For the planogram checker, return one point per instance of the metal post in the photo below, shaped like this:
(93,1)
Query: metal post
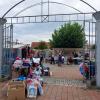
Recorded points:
(97,17)
(84,40)
(48,10)
(2,22)
(5,60)
(41,9)
(95,53)
(89,54)
(11,47)
(92,31)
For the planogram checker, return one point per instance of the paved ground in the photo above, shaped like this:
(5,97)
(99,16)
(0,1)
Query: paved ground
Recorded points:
(70,72)
(64,84)
(3,89)
(56,92)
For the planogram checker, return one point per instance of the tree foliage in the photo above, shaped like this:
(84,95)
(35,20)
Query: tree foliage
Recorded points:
(68,36)
(42,45)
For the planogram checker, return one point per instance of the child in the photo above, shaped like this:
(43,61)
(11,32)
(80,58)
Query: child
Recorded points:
(86,71)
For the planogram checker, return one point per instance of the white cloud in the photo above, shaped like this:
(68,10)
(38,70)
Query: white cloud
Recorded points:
(36,32)
(28,38)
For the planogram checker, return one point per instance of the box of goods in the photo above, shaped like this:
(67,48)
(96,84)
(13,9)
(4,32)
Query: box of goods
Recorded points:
(16,90)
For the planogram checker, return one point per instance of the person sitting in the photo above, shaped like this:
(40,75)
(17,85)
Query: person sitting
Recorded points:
(70,60)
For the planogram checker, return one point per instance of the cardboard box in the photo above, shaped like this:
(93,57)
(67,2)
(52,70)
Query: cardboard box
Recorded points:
(14,74)
(16,90)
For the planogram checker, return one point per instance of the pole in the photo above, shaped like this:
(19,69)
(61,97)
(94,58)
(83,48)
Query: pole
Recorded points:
(97,31)
(41,10)
(48,10)
(2,22)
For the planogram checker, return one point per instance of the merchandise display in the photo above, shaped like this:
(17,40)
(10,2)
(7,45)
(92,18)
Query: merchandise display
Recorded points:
(30,73)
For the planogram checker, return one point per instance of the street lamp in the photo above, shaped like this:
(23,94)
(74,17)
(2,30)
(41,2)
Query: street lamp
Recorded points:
(12,8)
(88,5)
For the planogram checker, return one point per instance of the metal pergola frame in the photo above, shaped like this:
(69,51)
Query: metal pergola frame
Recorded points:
(45,18)
(49,18)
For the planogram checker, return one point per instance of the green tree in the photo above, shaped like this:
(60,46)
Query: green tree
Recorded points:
(42,45)
(68,36)
(35,47)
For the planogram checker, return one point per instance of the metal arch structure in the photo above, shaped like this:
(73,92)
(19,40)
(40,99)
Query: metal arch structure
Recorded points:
(64,18)
(12,8)
(49,18)
(89,5)
(45,18)
(46,3)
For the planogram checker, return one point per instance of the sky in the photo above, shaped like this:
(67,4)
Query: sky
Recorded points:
(27,33)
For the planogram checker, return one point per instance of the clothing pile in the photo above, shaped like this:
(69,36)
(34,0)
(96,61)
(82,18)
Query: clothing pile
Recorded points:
(22,63)
(30,72)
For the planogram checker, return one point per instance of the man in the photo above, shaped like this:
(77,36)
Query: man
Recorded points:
(59,60)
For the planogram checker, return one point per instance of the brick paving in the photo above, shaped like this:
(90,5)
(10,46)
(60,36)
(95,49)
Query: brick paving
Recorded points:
(60,89)
(56,92)
(3,90)
(70,72)
(65,82)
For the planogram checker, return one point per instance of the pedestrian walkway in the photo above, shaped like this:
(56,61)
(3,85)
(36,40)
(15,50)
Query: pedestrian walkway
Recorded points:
(65,84)
(3,91)
(57,92)
(70,72)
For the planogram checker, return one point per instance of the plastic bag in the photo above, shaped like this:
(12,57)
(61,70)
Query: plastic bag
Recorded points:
(31,91)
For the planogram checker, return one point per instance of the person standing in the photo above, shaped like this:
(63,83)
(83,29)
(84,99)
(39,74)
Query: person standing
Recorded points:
(59,60)
(24,53)
(52,59)
(41,59)
(63,59)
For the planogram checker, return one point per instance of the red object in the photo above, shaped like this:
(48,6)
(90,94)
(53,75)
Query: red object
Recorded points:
(28,81)
(18,58)
(86,68)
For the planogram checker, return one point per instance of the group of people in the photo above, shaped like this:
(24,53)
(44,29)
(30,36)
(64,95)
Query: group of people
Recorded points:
(61,59)
(57,59)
